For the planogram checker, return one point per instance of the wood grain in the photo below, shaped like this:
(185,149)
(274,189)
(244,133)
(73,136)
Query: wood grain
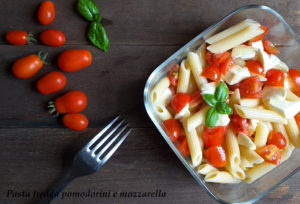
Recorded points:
(34,147)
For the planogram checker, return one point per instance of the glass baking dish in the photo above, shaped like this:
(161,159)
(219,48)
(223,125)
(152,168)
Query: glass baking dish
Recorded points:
(285,39)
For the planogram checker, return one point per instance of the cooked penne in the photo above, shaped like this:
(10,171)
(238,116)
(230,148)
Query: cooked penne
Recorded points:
(162,112)
(205,169)
(259,114)
(245,164)
(196,68)
(251,155)
(290,96)
(220,177)
(258,171)
(165,98)
(287,152)
(293,132)
(159,88)
(235,98)
(261,135)
(184,78)
(201,53)
(237,172)
(198,118)
(269,125)
(249,102)
(246,141)
(233,149)
(192,87)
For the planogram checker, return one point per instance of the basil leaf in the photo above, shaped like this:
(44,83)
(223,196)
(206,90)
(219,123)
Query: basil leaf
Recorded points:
(88,9)
(222,92)
(210,99)
(211,117)
(224,108)
(98,37)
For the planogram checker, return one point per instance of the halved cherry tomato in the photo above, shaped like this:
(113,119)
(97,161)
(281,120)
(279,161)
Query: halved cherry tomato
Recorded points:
(251,87)
(270,153)
(294,74)
(53,37)
(173,129)
(233,87)
(173,75)
(270,48)
(216,156)
(46,13)
(275,77)
(255,67)
(261,36)
(196,99)
(179,101)
(213,136)
(212,72)
(217,59)
(276,138)
(51,83)
(239,124)
(71,102)
(297,118)
(19,37)
(75,121)
(183,146)
(226,66)
(28,66)
(74,60)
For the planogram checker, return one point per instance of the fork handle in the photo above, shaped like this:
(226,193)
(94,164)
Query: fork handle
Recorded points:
(57,188)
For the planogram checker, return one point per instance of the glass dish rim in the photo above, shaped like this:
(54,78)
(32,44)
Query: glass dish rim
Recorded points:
(169,59)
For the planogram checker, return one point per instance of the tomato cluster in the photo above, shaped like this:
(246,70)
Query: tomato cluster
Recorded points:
(71,103)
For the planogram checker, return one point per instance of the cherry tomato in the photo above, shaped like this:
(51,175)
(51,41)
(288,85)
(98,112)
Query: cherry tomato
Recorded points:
(19,37)
(226,66)
(217,59)
(212,72)
(251,87)
(275,77)
(173,129)
(297,118)
(255,67)
(53,37)
(173,75)
(51,83)
(261,36)
(216,156)
(179,101)
(239,124)
(276,138)
(196,99)
(28,66)
(213,136)
(294,74)
(74,60)
(270,48)
(270,153)
(75,121)
(71,102)
(183,146)
(46,13)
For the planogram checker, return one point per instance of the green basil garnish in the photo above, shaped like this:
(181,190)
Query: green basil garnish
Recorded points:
(211,117)
(210,99)
(98,37)
(224,108)
(87,9)
(222,92)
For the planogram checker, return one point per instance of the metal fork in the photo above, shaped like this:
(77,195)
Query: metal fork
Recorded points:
(89,159)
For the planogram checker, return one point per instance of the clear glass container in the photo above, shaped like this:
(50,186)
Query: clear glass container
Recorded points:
(285,39)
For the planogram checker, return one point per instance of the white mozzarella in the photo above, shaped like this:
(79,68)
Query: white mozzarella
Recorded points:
(236,75)
(244,52)
(223,120)
(258,45)
(286,108)
(208,88)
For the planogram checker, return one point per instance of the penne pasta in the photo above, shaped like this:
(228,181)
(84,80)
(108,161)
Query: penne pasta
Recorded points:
(249,102)
(293,132)
(245,164)
(258,171)
(261,135)
(233,149)
(204,169)
(220,177)
(162,112)
(197,119)
(184,78)
(159,88)
(235,98)
(201,53)
(192,87)
(251,155)
(290,96)
(237,172)
(165,98)
(196,68)
(246,141)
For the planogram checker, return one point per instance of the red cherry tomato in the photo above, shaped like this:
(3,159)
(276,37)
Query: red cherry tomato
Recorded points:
(297,118)
(294,74)
(213,136)
(75,121)
(183,146)
(226,66)
(71,102)
(53,37)
(212,72)
(261,36)
(19,37)
(255,67)
(28,66)
(46,13)
(51,83)
(270,48)
(239,124)
(217,59)
(74,60)
(196,99)
(173,75)
(179,101)
(275,77)
(172,128)
(276,138)
(251,87)
(270,153)
(216,156)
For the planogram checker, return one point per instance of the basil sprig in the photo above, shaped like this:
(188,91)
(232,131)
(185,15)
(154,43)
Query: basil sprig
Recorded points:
(218,104)
(97,35)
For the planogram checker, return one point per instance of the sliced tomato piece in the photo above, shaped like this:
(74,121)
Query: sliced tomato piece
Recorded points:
(270,48)
(179,101)
(261,36)
(183,146)
(251,87)
(297,118)
(294,74)
(196,99)
(173,129)
(276,138)
(212,72)
(216,156)
(174,75)
(239,124)
(217,59)
(226,66)
(255,67)
(275,77)
(213,136)
(270,153)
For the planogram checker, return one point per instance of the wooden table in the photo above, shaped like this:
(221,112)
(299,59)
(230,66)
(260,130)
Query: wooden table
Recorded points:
(35,148)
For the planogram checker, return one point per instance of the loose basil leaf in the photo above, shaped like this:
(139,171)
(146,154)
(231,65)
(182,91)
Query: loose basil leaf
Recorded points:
(224,108)
(88,9)
(222,92)
(98,37)
(210,99)
(211,117)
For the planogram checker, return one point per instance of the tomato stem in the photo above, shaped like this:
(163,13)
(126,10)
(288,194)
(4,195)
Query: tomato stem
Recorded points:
(43,55)
(30,39)
(52,110)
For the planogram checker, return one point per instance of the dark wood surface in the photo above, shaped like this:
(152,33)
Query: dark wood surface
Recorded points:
(35,148)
